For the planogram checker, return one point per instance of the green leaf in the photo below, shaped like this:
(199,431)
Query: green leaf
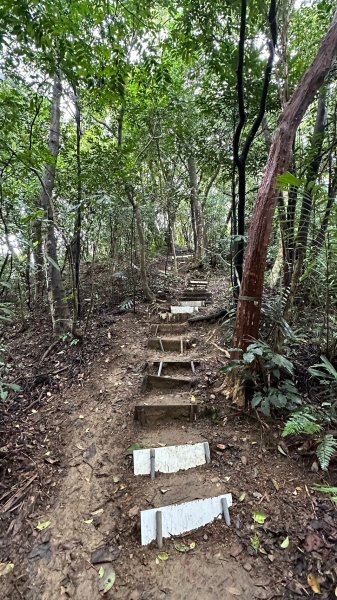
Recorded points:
(265,407)
(277,399)
(180,547)
(14,387)
(257,398)
(259,517)
(101,572)
(325,450)
(287,179)
(163,556)
(248,357)
(281,451)
(107,581)
(42,525)
(6,568)
(255,542)
(134,447)
(52,262)
(285,543)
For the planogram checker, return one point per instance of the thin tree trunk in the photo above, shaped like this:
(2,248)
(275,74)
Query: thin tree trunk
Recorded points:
(58,307)
(315,154)
(249,304)
(320,237)
(198,228)
(240,159)
(37,238)
(78,221)
(149,295)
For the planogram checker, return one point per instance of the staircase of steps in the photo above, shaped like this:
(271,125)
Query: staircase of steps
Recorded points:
(167,397)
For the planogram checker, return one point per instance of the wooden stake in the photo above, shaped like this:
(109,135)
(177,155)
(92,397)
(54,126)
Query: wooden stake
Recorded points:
(207,453)
(153,463)
(225,511)
(159,528)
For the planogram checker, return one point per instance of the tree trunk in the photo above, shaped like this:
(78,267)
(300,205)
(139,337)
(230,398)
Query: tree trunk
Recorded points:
(320,237)
(198,228)
(58,306)
(240,158)
(37,239)
(249,304)
(76,246)
(149,295)
(315,154)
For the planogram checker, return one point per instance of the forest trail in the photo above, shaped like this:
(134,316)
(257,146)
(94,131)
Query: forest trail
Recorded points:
(100,499)
(96,500)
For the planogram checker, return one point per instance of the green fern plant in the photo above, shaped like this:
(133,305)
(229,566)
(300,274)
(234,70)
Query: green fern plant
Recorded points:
(307,423)
(327,490)
(301,422)
(325,450)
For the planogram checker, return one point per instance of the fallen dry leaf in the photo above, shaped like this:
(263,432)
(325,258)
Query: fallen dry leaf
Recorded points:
(234,591)
(312,581)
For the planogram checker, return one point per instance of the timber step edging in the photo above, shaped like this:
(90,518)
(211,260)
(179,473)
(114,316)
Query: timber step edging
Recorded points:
(167,383)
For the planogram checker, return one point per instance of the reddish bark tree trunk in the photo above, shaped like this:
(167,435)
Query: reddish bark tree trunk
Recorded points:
(249,304)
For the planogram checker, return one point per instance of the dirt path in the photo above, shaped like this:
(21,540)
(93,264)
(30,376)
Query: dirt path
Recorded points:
(97,501)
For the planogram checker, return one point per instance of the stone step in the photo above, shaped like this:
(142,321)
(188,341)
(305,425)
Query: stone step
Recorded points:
(190,299)
(186,310)
(166,384)
(173,344)
(168,328)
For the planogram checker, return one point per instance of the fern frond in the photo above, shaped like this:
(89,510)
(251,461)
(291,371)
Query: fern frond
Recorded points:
(325,450)
(301,422)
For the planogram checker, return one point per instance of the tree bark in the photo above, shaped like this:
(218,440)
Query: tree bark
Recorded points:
(249,303)
(76,246)
(37,238)
(315,154)
(320,237)
(58,306)
(149,295)
(240,158)
(197,210)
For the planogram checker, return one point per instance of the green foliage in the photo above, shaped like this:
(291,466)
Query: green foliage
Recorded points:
(325,372)
(325,450)
(327,490)
(301,422)
(6,314)
(267,370)
(311,421)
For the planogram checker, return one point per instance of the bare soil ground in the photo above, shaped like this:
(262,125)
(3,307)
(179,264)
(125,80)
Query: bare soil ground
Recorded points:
(65,461)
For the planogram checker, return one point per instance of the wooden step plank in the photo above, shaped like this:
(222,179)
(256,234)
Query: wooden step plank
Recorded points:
(167,383)
(197,293)
(176,361)
(169,344)
(171,459)
(151,414)
(198,282)
(180,317)
(192,303)
(167,328)
(177,519)
(189,310)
